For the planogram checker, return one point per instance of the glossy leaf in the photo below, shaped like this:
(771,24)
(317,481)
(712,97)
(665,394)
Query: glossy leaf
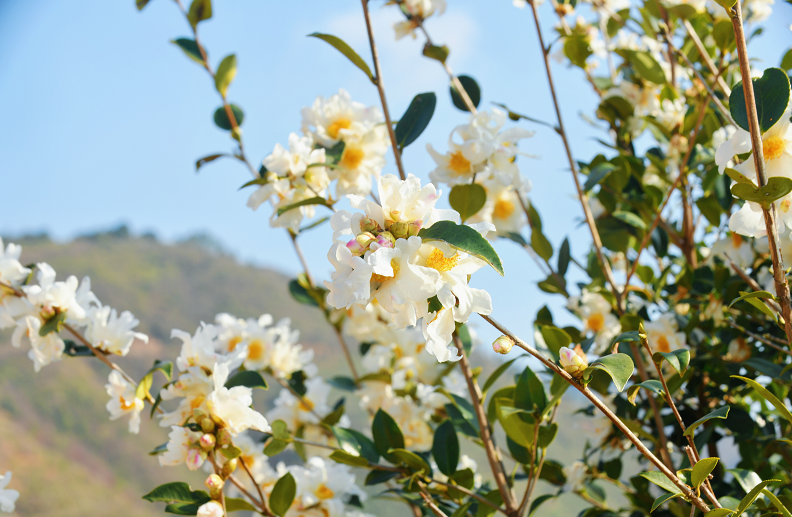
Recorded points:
(659,479)
(719,512)
(651,385)
(764,392)
(248,378)
(496,374)
(386,434)
(222,121)
(467,199)
(200,10)
(776,188)
(737,176)
(663,498)
(225,73)
(463,238)
(555,338)
(777,503)
(771,92)
(178,492)
(415,119)
(347,51)
(755,299)
(440,53)
(597,174)
(678,359)
(748,500)
(282,495)
(647,67)
(722,412)
(471,88)
(564,256)
(234,504)
(343,383)
(541,245)
(529,393)
(358,441)
(536,503)
(445,448)
(190,49)
(618,366)
(410,460)
(631,219)
(348,459)
(701,470)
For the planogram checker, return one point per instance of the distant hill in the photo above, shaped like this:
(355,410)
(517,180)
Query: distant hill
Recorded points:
(69,460)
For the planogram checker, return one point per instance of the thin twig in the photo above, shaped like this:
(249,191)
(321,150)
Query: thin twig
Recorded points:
(759,338)
(381,90)
(263,500)
(782,288)
(689,494)
(427,498)
(705,56)
(473,495)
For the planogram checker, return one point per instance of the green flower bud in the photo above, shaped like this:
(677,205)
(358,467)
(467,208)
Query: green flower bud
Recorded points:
(224,438)
(229,467)
(503,345)
(207,425)
(572,362)
(368,225)
(399,230)
(413,228)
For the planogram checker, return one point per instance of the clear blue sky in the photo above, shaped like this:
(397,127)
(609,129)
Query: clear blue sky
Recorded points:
(103,119)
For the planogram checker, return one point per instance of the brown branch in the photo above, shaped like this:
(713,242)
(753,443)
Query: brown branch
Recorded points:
(425,495)
(263,500)
(705,56)
(782,288)
(473,495)
(759,338)
(661,436)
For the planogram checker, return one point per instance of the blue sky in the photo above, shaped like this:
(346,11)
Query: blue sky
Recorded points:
(103,118)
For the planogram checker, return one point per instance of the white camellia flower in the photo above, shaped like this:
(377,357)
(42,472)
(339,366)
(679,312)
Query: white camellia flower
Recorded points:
(597,316)
(662,334)
(123,401)
(308,410)
(503,207)
(736,249)
(182,449)
(113,333)
(418,10)
(52,297)
(575,475)
(322,488)
(232,406)
(43,349)
(11,270)
(8,497)
(211,509)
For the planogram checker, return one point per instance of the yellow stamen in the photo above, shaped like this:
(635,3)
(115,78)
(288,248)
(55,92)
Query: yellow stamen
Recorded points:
(503,209)
(337,125)
(737,240)
(662,344)
(324,493)
(305,404)
(439,262)
(126,405)
(233,342)
(773,147)
(785,204)
(255,350)
(381,279)
(596,322)
(196,402)
(458,163)
(352,157)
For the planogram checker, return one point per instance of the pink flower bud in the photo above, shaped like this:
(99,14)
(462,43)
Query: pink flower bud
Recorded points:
(195,458)
(207,441)
(214,482)
(355,247)
(386,240)
(572,362)
(503,345)
(413,228)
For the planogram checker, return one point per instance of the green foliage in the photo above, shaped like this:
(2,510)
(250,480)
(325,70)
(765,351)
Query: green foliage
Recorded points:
(771,94)
(471,87)
(722,412)
(467,199)
(619,366)
(387,435)
(776,188)
(225,74)
(650,385)
(347,51)
(190,49)
(415,119)
(222,121)
(200,10)
(439,53)
(282,495)
(659,479)
(248,378)
(702,469)
(463,238)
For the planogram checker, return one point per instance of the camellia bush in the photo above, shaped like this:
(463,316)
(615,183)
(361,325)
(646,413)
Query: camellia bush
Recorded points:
(684,309)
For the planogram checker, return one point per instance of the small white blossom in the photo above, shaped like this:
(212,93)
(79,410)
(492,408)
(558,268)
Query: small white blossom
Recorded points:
(123,401)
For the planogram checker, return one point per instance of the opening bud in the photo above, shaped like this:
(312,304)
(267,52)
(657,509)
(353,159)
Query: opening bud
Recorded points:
(224,437)
(573,361)
(207,441)
(386,240)
(355,247)
(413,228)
(503,345)
(214,482)
(229,467)
(367,224)
(195,458)
(399,230)
(363,240)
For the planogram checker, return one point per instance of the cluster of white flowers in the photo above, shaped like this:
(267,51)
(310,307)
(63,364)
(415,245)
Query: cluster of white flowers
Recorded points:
(38,311)
(302,171)
(482,152)
(416,11)
(598,318)
(384,260)
(323,489)
(777,150)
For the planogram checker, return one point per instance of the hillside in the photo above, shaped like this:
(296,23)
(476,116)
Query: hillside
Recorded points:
(68,459)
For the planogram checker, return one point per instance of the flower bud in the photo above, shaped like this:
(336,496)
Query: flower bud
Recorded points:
(503,345)
(207,425)
(573,362)
(214,482)
(355,247)
(211,509)
(364,239)
(199,415)
(367,224)
(229,467)
(224,438)
(207,441)
(386,240)
(195,458)
(399,230)
(413,228)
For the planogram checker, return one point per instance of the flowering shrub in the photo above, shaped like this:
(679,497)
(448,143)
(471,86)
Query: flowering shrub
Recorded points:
(684,330)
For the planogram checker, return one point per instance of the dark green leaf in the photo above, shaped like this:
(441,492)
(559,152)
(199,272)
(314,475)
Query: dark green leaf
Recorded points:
(234,504)
(178,492)
(275,447)
(415,119)
(467,199)
(140,4)
(248,378)
(225,73)
(662,481)
(221,117)
(183,508)
(529,393)
(722,412)
(343,383)
(662,499)
(541,245)
(212,157)
(748,500)
(771,92)
(631,219)
(547,434)
(651,385)
(538,502)
(357,441)
(387,435)
(786,61)
(471,87)
(647,67)
(555,338)
(496,374)
(348,459)
(55,323)
(375,477)
(463,238)
(304,202)
(345,49)
(618,366)
(282,495)
(563,257)
(678,359)
(597,174)
(411,460)
(190,48)
(445,448)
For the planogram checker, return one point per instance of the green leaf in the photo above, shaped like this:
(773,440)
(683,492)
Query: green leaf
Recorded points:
(159,449)
(496,374)
(357,441)
(471,88)
(651,385)
(375,477)
(140,4)
(333,417)
(282,495)
(721,412)
(662,499)
(776,188)
(349,459)
(183,508)
(752,495)
(275,447)
(435,52)
(200,10)
(178,492)
(343,383)
(462,511)
(777,503)
(529,393)
(756,294)
(597,174)
(234,504)
(720,512)
(345,49)
(618,366)
(547,434)
(305,202)
(702,469)
(737,176)
(221,117)
(747,479)
(226,72)
(386,434)
(631,219)
(511,420)
(467,199)
(55,323)
(646,66)
(143,387)
(190,48)
(659,479)
(764,392)
(212,157)
(771,92)
(445,448)
(678,359)
(463,238)
(538,502)
(415,119)
(541,245)
(577,49)
(411,460)
(231,452)
(755,300)
(563,258)
(555,338)
(248,378)
(786,61)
